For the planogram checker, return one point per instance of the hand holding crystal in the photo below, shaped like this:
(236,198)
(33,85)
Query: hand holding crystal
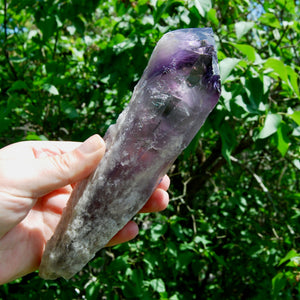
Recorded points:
(36,180)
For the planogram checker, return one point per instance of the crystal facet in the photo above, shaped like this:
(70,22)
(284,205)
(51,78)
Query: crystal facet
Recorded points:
(178,90)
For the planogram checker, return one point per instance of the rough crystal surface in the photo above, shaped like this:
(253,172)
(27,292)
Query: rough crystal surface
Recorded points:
(178,90)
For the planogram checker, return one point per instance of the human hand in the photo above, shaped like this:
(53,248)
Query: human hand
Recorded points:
(36,180)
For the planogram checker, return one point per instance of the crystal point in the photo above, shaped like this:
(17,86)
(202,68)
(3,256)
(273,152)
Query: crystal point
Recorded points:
(178,89)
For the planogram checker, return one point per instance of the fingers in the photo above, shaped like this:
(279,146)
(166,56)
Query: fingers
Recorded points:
(159,200)
(165,183)
(129,232)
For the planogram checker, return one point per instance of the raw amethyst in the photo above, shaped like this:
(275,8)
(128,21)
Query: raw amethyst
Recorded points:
(178,90)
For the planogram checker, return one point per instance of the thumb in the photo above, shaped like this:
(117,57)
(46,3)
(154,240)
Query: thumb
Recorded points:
(23,181)
(53,172)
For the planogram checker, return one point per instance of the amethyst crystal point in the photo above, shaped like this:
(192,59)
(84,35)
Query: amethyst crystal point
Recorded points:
(178,90)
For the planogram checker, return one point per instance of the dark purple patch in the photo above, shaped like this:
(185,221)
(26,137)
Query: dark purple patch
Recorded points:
(181,59)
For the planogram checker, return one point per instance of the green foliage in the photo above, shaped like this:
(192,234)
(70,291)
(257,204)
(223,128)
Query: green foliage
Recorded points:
(67,70)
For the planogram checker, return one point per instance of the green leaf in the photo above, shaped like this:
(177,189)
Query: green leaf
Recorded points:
(158,285)
(92,290)
(184,259)
(18,85)
(283,141)
(254,88)
(286,73)
(293,79)
(296,163)
(79,24)
(278,68)
(241,28)
(124,45)
(157,231)
(228,138)
(291,254)
(48,27)
(270,19)
(296,117)
(51,89)
(203,240)
(289,5)
(212,16)
(278,283)
(247,50)
(203,6)
(226,66)
(271,125)
(31,136)
(17,59)
(294,262)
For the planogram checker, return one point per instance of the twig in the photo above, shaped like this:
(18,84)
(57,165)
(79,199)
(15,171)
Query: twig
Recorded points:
(181,198)
(282,36)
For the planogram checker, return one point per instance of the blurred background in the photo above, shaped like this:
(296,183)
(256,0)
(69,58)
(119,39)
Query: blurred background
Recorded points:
(232,229)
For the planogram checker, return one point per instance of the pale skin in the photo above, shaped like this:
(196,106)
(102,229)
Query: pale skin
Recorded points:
(36,180)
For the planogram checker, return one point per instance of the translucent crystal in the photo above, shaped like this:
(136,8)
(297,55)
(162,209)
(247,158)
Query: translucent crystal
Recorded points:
(178,90)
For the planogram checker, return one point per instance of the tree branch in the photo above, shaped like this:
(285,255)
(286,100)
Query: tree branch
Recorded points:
(213,163)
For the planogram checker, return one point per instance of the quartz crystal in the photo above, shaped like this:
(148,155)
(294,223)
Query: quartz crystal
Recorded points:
(178,89)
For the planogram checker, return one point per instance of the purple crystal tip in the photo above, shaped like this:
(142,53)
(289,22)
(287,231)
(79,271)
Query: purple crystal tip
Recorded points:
(189,53)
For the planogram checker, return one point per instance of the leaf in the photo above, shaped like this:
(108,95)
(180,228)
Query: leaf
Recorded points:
(296,163)
(79,24)
(158,285)
(48,27)
(296,117)
(124,45)
(212,16)
(17,59)
(51,89)
(18,85)
(241,28)
(183,260)
(92,290)
(286,73)
(291,254)
(247,50)
(294,262)
(203,6)
(255,90)
(203,240)
(293,79)
(271,125)
(270,19)
(289,5)
(278,68)
(157,231)
(33,136)
(278,283)
(162,7)
(226,66)
(283,141)
(228,138)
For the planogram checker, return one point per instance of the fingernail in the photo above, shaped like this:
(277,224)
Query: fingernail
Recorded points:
(92,144)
